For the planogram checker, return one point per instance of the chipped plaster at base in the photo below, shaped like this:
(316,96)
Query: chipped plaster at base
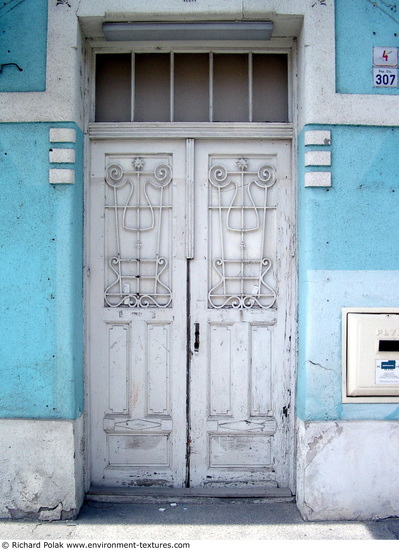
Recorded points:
(41,469)
(348,470)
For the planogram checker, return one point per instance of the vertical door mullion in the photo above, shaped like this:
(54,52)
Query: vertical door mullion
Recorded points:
(172,86)
(132,87)
(190,213)
(292,69)
(211,87)
(250,86)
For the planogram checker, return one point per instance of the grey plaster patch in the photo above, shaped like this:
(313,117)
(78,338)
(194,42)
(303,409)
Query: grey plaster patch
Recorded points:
(317,444)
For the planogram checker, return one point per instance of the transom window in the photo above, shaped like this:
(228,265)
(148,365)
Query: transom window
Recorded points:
(191,87)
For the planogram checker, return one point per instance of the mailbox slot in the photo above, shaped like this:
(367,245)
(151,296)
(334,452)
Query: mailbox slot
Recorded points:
(388,345)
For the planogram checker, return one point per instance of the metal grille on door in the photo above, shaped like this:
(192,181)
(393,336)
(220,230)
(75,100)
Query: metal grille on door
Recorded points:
(138,204)
(239,212)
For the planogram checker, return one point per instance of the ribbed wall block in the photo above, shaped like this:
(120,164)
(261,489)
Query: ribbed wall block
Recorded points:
(62,135)
(318,158)
(61,175)
(62,155)
(317,137)
(318,179)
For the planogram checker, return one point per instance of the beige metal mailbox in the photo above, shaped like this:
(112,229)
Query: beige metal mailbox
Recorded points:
(370,340)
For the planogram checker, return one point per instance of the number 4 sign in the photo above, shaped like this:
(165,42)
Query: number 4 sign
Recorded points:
(385,57)
(385,72)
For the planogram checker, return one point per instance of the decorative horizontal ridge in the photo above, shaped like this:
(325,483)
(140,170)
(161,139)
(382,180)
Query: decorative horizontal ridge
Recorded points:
(118,130)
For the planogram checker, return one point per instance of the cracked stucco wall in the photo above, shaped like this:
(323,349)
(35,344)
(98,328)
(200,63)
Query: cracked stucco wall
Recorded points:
(350,470)
(40,476)
(41,346)
(348,257)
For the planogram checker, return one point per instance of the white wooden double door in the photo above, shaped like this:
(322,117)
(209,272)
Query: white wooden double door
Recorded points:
(190,313)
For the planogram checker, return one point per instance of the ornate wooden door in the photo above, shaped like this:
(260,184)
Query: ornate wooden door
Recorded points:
(241,315)
(190,357)
(137,313)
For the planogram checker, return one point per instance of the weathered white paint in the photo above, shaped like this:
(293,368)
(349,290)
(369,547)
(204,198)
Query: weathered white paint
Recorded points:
(61,175)
(240,378)
(317,137)
(41,468)
(317,179)
(311,21)
(340,474)
(138,356)
(225,130)
(241,426)
(318,158)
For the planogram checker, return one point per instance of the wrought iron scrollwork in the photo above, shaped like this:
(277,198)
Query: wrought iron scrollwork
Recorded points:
(239,206)
(138,206)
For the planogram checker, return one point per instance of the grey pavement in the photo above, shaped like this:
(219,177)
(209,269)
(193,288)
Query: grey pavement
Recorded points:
(196,519)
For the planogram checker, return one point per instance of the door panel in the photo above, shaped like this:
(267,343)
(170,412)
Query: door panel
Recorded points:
(240,297)
(137,313)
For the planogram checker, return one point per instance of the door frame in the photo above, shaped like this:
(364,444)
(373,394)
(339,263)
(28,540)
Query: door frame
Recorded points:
(189,131)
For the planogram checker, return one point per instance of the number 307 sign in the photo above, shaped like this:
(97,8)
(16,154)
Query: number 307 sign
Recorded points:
(385,72)
(385,78)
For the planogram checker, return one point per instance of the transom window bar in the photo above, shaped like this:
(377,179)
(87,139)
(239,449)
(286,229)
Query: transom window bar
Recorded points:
(191,87)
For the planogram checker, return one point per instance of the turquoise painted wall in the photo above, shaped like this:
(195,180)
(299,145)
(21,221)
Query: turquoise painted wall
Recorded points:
(361,25)
(348,233)
(348,257)
(353,224)
(41,318)
(23,40)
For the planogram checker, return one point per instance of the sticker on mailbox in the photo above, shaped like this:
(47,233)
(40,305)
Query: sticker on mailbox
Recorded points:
(386,371)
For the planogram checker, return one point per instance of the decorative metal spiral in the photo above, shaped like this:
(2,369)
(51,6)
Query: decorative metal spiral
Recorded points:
(114,175)
(267,262)
(218,176)
(266,175)
(163,174)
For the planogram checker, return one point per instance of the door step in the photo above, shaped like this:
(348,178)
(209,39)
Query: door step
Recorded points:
(148,494)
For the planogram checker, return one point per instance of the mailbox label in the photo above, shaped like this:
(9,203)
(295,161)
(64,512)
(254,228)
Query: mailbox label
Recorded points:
(386,372)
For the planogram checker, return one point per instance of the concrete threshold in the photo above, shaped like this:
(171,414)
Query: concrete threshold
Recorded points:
(149,494)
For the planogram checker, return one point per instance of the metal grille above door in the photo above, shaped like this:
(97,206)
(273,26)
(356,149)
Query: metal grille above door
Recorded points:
(192,87)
